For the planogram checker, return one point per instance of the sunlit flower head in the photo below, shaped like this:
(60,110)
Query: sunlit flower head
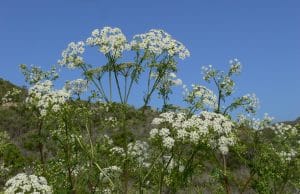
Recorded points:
(109,41)
(158,42)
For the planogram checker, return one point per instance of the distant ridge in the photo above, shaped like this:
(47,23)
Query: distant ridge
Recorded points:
(297,121)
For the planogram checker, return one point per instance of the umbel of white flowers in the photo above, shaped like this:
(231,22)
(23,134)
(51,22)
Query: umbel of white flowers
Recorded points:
(207,128)
(23,183)
(113,42)
(45,98)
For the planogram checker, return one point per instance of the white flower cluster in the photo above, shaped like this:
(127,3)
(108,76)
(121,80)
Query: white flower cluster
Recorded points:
(174,80)
(111,121)
(168,142)
(109,40)
(159,42)
(222,129)
(207,126)
(223,80)
(72,55)
(107,191)
(4,170)
(164,134)
(23,183)
(107,140)
(208,72)
(227,85)
(250,102)
(10,95)
(110,172)
(34,74)
(118,151)
(201,97)
(103,190)
(167,81)
(139,152)
(255,123)
(59,133)
(43,96)
(235,66)
(77,86)
(224,142)
(288,156)
(282,129)
(289,136)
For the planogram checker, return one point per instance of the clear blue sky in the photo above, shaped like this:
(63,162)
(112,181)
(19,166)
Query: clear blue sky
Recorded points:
(263,34)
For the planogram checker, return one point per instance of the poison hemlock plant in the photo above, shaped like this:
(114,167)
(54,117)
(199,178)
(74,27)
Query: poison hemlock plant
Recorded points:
(89,139)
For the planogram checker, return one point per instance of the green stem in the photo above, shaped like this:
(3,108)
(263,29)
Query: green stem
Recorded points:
(125,89)
(129,90)
(99,88)
(152,166)
(135,73)
(189,164)
(94,162)
(117,81)
(41,145)
(67,155)
(110,86)
(165,168)
(149,94)
(225,175)
(219,95)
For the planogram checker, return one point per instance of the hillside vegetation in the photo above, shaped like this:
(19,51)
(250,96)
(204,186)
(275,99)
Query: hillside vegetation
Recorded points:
(87,138)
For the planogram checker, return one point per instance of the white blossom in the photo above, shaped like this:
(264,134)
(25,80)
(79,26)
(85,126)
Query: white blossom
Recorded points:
(77,86)
(288,156)
(182,134)
(194,137)
(201,97)
(255,123)
(224,143)
(177,82)
(139,151)
(45,98)
(208,72)
(153,133)
(164,132)
(110,172)
(168,142)
(250,102)
(118,151)
(157,121)
(10,95)
(23,183)
(207,127)
(158,42)
(282,129)
(72,55)
(109,40)
(235,66)
(223,80)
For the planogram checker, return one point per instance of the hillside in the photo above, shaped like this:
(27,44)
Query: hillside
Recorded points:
(6,86)
(25,143)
